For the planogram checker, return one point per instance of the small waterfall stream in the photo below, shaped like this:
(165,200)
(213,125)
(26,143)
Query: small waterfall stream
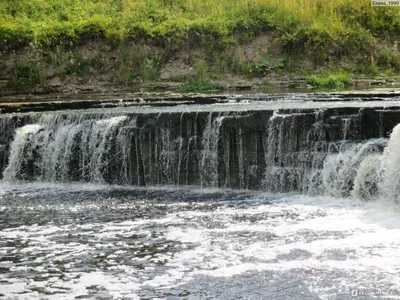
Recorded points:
(389,175)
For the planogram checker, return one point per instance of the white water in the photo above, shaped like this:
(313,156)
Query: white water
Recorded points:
(260,246)
(17,155)
(346,170)
(49,147)
(102,149)
(390,168)
(209,158)
(61,241)
(98,148)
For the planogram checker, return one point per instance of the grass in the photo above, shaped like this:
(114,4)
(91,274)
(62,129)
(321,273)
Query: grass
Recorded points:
(74,64)
(336,80)
(201,68)
(201,86)
(29,72)
(329,27)
(321,31)
(26,76)
(136,63)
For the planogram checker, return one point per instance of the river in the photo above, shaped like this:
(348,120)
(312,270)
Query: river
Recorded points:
(251,199)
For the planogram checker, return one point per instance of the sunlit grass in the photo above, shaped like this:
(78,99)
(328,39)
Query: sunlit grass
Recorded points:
(336,80)
(332,27)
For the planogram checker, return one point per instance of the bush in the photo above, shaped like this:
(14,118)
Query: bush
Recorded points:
(338,80)
(323,30)
(28,73)
(135,63)
(150,68)
(389,57)
(201,68)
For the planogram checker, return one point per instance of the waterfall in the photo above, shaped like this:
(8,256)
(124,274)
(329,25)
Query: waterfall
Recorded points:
(333,152)
(296,148)
(209,154)
(347,171)
(61,148)
(367,178)
(389,184)
(301,157)
(100,148)
(22,151)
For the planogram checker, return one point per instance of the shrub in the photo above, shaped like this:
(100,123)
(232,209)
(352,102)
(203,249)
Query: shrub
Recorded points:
(28,73)
(201,68)
(150,68)
(338,80)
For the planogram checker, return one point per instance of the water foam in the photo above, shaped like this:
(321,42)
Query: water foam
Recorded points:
(390,174)
(63,149)
(291,152)
(20,150)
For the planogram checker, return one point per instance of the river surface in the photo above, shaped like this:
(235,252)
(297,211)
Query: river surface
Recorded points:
(291,196)
(81,241)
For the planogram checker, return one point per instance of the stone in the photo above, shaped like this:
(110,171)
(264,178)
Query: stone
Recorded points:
(50,72)
(55,82)
(176,71)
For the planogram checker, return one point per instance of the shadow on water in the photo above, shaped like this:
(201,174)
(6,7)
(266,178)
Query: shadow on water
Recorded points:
(117,204)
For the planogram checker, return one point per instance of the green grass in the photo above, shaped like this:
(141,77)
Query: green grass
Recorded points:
(201,68)
(136,63)
(321,32)
(337,80)
(330,28)
(201,86)
(26,76)
(74,64)
(29,72)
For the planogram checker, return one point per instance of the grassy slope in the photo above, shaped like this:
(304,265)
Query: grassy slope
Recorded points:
(341,25)
(324,29)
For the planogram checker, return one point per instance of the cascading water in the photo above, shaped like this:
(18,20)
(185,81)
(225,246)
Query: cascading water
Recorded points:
(21,151)
(348,169)
(389,173)
(99,148)
(300,157)
(209,154)
(304,150)
(88,210)
(61,148)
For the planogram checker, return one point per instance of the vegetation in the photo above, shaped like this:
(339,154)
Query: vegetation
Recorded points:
(331,27)
(253,69)
(201,83)
(201,86)
(336,80)
(324,31)
(134,62)
(27,74)
(73,63)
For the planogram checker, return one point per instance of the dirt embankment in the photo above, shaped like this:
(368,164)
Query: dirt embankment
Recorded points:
(99,67)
